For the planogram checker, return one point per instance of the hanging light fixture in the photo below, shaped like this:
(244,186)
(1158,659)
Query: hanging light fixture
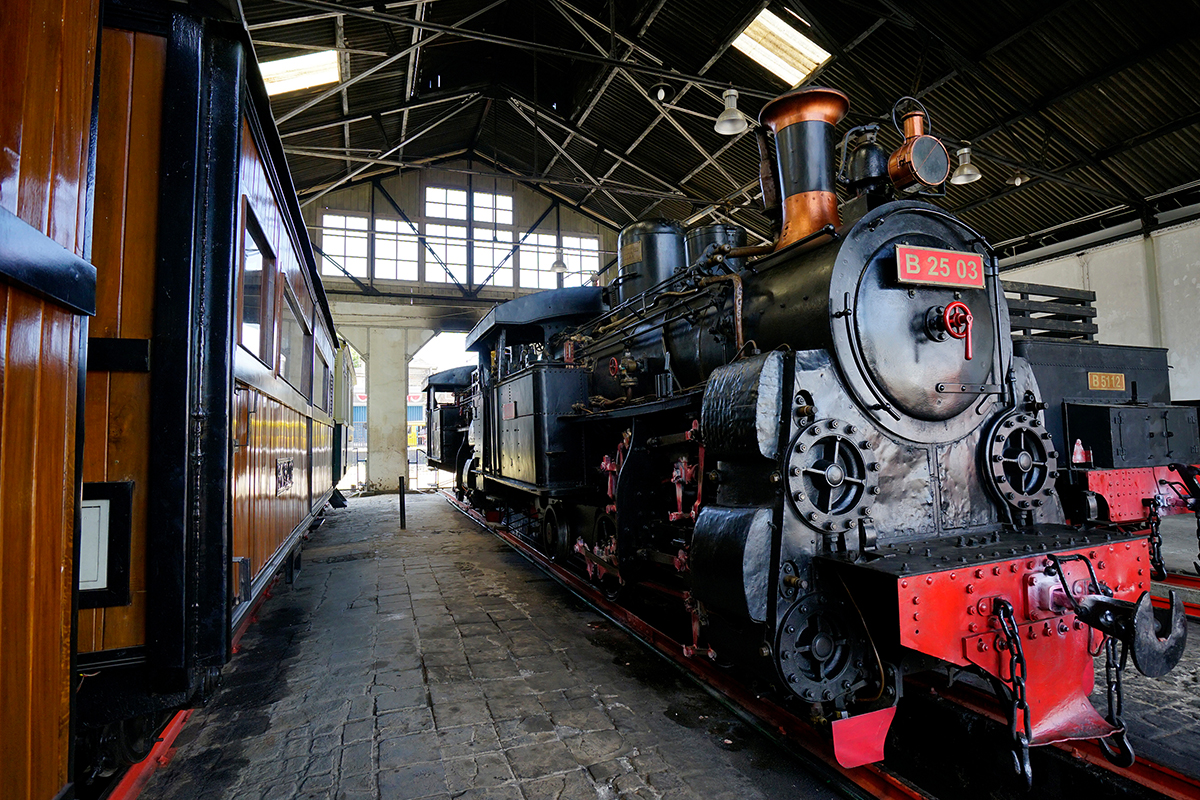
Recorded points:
(559,264)
(662,92)
(966,171)
(731,122)
(1018,177)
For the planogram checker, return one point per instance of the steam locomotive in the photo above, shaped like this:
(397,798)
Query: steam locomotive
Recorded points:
(824,449)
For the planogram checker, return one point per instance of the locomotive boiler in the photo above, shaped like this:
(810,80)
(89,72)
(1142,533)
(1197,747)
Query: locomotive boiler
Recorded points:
(822,451)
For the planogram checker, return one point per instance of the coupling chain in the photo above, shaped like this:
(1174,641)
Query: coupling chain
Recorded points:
(1114,666)
(1158,568)
(1010,640)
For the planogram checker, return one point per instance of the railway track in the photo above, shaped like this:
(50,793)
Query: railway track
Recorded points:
(1078,765)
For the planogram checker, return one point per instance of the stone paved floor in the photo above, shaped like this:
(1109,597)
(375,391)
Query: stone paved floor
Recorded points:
(1163,714)
(435,662)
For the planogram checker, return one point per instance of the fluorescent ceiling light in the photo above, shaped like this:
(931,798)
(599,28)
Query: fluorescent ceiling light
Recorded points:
(300,72)
(780,48)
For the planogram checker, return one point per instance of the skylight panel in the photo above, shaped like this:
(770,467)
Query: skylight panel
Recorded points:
(780,48)
(300,72)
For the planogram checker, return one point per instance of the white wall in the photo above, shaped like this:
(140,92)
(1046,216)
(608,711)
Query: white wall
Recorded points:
(1147,293)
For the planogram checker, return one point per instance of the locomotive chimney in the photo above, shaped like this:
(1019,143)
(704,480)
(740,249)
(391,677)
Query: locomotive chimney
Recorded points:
(802,121)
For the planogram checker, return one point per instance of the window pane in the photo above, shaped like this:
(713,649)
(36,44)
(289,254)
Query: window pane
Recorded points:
(445,203)
(495,208)
(258,267)
(491,248)
(396,250)
(449,242)
(294,346)
(344,240)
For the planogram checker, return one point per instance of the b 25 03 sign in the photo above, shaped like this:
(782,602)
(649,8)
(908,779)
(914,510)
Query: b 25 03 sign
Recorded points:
(930,266)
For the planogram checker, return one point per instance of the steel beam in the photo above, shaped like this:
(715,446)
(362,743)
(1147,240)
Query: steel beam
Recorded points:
(408,51)
(533,47)
(433,124)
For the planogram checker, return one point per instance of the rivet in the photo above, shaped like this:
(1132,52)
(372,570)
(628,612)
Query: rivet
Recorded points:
(916,615)
(903,584)
(974,626)
(916,600)
(953,575)
(970,588)
(995,570)
(929,580)
(978,573)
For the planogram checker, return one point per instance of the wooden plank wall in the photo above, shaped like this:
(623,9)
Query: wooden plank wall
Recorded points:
(46,83)
(117,411)
(267,431)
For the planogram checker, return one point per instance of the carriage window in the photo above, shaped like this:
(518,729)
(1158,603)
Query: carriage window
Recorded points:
(322,385)
(258,268)
(295,346)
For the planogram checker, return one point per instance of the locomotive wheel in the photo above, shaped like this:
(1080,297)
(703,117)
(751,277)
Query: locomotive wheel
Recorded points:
(1022,463)
(555,536)
(831,475)
(608,582)
(820,649)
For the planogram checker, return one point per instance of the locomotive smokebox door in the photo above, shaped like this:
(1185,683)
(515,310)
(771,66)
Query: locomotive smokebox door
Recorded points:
(909,349)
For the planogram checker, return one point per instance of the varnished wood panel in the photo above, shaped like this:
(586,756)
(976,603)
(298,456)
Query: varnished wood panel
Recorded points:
(262,517)
(45,111)
(118,404)
(46,81)
(38,360)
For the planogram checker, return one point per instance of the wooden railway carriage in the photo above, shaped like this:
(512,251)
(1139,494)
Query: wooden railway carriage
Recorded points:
(190,425)
(47,291)
(211,384)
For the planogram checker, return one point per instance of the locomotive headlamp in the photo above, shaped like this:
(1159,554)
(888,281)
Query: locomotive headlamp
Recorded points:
(966,171)
(731,122)
(922,161)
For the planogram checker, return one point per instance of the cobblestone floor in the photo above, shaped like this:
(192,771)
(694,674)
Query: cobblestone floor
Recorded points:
(1163,714)
(436,663)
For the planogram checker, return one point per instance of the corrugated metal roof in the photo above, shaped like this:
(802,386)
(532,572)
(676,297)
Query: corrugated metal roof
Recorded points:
(1095,99)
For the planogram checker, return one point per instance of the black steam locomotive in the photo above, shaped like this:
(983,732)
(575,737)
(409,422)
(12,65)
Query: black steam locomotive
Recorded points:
(825,448)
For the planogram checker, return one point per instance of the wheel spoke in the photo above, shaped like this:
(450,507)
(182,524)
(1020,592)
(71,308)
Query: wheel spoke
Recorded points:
(823,498)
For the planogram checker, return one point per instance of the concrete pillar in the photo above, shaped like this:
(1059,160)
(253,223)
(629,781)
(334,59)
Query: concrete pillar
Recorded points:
(387,407)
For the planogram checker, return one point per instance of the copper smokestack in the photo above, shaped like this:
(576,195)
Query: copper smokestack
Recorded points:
(802,121)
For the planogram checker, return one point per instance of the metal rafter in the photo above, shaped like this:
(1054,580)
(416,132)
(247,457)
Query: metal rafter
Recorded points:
(567,127)
(410,52)
(360,157)
(319,48)
(533,47)
(277,23)
(680,129)
(433,124)
(563,152)
(413,106)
